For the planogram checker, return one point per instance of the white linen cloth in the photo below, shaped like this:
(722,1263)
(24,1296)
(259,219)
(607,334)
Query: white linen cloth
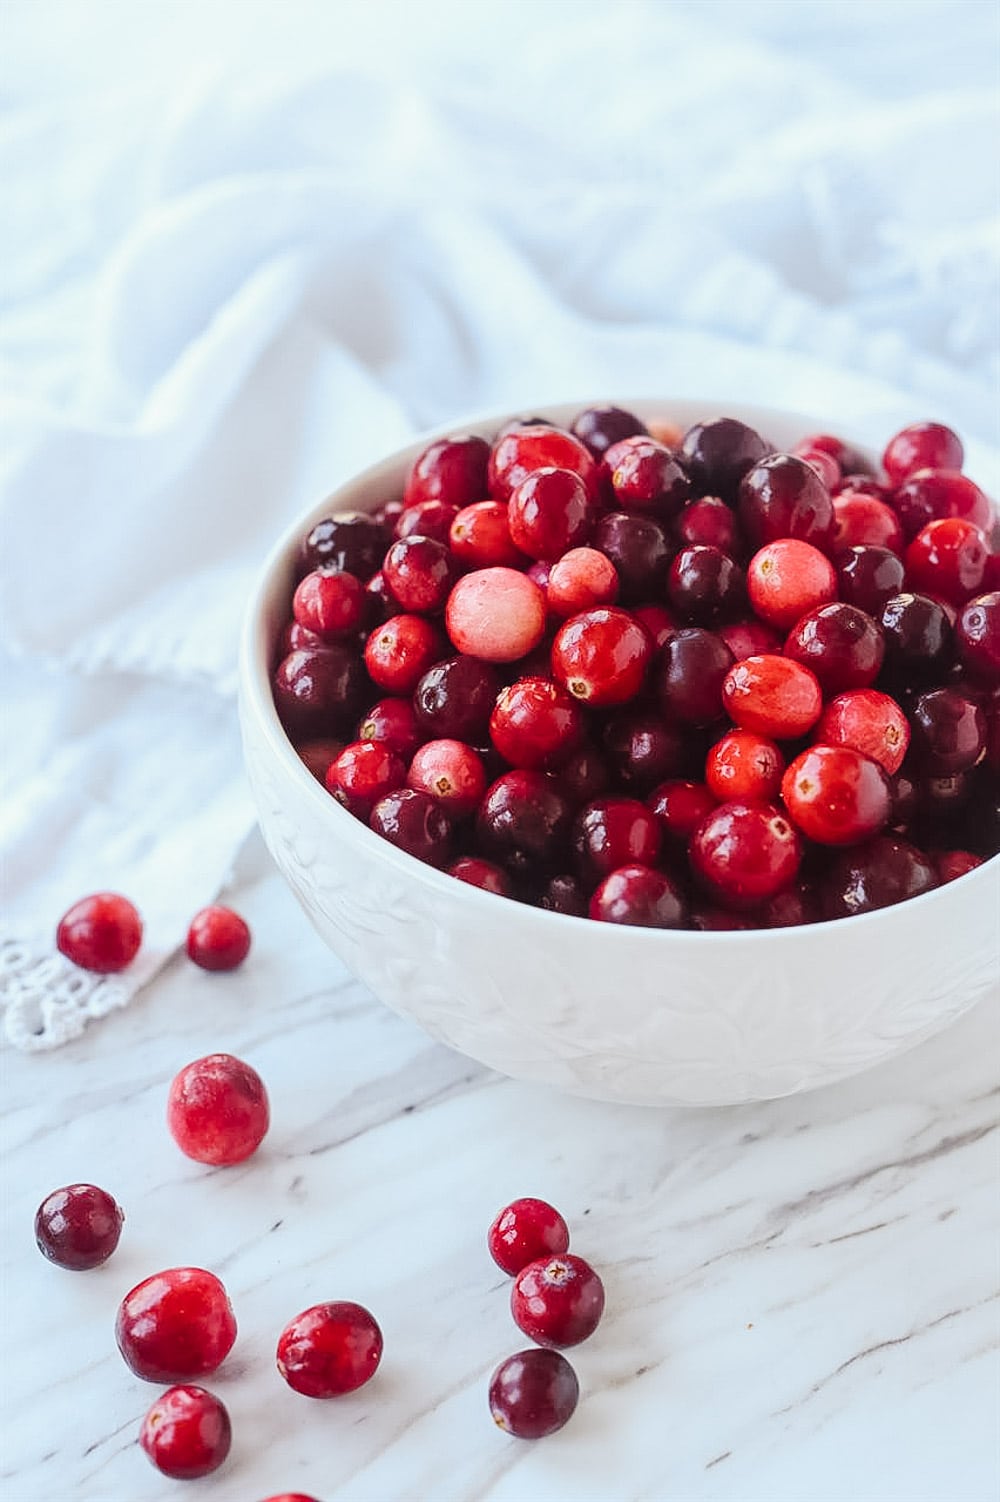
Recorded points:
(230,283)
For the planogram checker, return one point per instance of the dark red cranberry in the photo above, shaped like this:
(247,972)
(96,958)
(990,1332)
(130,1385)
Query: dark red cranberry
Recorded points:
(454,699)
(352,542)
(601,656)
(524,822)
(557,1301)
(414,822)
(496,614)
(186,1433)
(639,897)
(452,470)
(549,513)
(918,638)
(533,1393)
(791,908)
(836,796)
(452,773)
(483,874)
(319,691)
(329,604)
(419,573)
(427,519)
(100,933)
(645,476)
(705,586)
(582,579)
(329,1349)
(745,767)
(788,577)
(783,497)
(316,755)
(868,577)
(905,800)
(923,445)
(934,495)
(750,639)
(841,644)
(850,461)
(680,807)
(637,546)
(392,723)
(585,774)
(709,522)
(772,695)
(744,853)
(78,1227)
(947,559)
(643,749)
(218,938)
(870,722)
(176,1324)
(523,1231)
(716,920)
(294,636)
(949,732)
(564,894)
(600,427)
(718,454)
(863,521)
(521,451)
(951,864)
(689,676)
(940,800)
(884,871)
(362,774)
(217,1110)
(613,832)
(977,637)
(379,604)
(480,537)
(535,723)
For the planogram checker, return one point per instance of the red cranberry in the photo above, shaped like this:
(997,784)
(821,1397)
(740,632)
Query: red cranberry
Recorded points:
(640,898)
(744,766)
(948,732)
(497,614)
(750,639)
(783,497)
(362,774)
(744,853)
(351,542)
(480,536)
(533,1393)
(884,871)
(787,578)
(452,470)
(536,723)
(601,656)
(419,573)
(483,874)
(705,585)
(293,637)
(977,637)
(772,695)
(317,755)
(951,864)
(218,938)
(836,796)
(392,723)
(319,690)
(709,522)
(329,1349)
(186,1433)
(613,832)
(842,646)
(600,427)
(550,512)
(867,721)
(924,445)
(850,461)
(176,1324)
(329,604)
(657,620)
(933,495)
(947,559)
(826,467)
(217,1110)
(414,822)
(645,476)
(582,579)
(718,454)
(868,577)
(523,450)
(524,822)
(690,674)
(454,699)
(399,653)
(524,1231)
(637,546)
(564,894)
(78,1227)
(918,638)
(863,521)
(100,933)
(427,519)
(680,807)
(643,749)
(557,1301)
(450,772)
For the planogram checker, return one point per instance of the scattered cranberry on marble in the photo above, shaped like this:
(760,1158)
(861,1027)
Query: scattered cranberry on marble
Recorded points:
(533,1393)
(525,1230)
(557,1301)
(175,1325)
(218,938)
(217,1110)
(186,1433)
(78,1227)
(329,1349)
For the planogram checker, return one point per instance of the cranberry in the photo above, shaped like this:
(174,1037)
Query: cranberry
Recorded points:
(218,938)
(787,578)
(772,695)
(977,637)
(715,920)
(217,1110)
(186,1433)
(557,1301)
(947,559)
(524,822)
(550,512)
(657,620)
(951,864)
(744,853)
(924,445)
(483,874)
(100,933)
(419,573)
(480,536)
(319,690)
(601,656)
(680,807)
(949,732)
(414,822)
(613,832)
(750,639)
(317,755)
(176,1324)
(392,723)
(918,638)
(825,465)
(868,577)
(427,519)
(450,772)
(600,427)
(521,451)
(637,546)
(645,476)
(585,774)
(783,497)
(582,579)
(870,722)
(379,604)
(640,897)
(78,1227)
(705,585)
(524,1231)
(535,723)
(850,461)
(933,495)
(399,653)
(533,1393)
(709,522)
(744,766)
(329,604)
(351,542)
(497,614)
(836,796)
(718,454)
(864,521)
(455,698)
(564,894)
(452,470)
(884,871)
(842,646)
(791,908)
(643,749)
(362,774)
(691,671)
(329,1349)
(294,636)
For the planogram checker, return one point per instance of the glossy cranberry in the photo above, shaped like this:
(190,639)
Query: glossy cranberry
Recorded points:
(496,614)
(639,897)
(329,1349)
(329,604)
(744,766)
(483,874)
(783,497)
(750,639)
(362,774)
(863,521)
(533,1393)
(217,1110)
(645,476)
(414,822)
(657,620)
(176,1324)
(867,721)
(524,1231)
(582,579)
(351,542)
(294,636)
(841,644)
(924,445)
(947,559)
(718,454)
(218,938)
(744,853)
(934,495)
(601,656)
(977,638)
(427,519)
(379,604)
(836,796)
(186,1433)
(600,427)
(689,676)
(535,723)
(884,871)
(643,749)
(868,577)
(948,732)
(825,465)
(787,578)
(450,772)
(100,933)
(557,1301)
(613,832)
(317,755)
(452,470)
(680,807)
(850,461)
(905,800)
(392,723)
(772,695)
(951,864)
(480,536)
(320,690)
(637,546)
(585,774)
(419,573)
(705,586)
(566,895)
(918,637)
(549,513)
(398,654)
(78,1227)
(709,522)
(454,699)
(521,451)
(524,822)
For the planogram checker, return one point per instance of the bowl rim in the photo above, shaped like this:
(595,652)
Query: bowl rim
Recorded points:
(256,697)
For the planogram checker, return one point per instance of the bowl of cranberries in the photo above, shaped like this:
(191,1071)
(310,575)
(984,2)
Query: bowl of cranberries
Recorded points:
(643,751)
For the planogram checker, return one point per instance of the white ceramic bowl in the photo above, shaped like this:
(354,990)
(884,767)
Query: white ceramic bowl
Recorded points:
(615,1013)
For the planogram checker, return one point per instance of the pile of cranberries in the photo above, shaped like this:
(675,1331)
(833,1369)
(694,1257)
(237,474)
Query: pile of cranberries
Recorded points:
(662,678)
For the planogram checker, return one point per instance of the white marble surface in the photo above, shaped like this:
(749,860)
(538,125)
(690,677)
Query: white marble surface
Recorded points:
(802,1296)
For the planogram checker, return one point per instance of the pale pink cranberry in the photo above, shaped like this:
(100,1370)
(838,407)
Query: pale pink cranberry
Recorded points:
(218,938)
(217,1110)
(496,614)
(452,773)
(582,579)
(868,721)
(787,578)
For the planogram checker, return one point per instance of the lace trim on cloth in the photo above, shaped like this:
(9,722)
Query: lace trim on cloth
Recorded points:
(46,1000)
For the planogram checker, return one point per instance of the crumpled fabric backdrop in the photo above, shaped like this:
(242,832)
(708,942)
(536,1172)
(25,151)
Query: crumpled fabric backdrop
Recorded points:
(252,245)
